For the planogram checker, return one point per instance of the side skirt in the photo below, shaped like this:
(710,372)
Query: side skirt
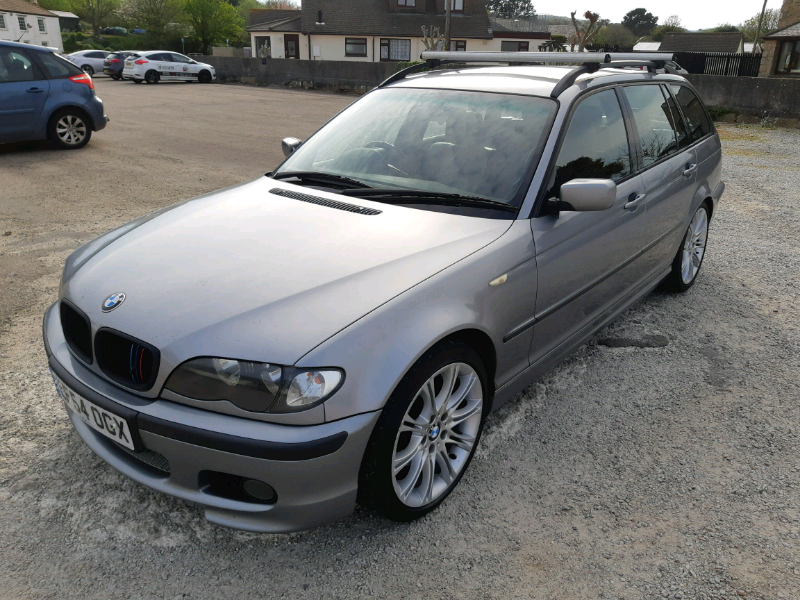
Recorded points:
(561,352)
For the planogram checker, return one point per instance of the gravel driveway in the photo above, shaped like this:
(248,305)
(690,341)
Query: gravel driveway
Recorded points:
(660,461)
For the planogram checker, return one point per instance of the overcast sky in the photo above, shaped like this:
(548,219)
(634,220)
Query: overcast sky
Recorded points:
(694,14)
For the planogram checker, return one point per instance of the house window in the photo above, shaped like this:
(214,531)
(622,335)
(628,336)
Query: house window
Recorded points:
(395,50)
(22,25)
(2,22)
(355,46)
(789,57)
(460,45)
(406,2)
(514,46)
(457,5)
(41,26)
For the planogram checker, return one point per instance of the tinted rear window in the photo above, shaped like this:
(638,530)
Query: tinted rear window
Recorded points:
(57,67)
(693,110)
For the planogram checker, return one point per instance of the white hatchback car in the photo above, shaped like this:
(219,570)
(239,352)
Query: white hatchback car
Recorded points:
(158,65)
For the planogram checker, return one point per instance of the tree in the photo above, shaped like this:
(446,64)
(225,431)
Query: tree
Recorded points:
(509,9)
(95,12)
(213,21)
(584,33)
(64,5)
(662,30)
(672,21)
(615,34)
(640,22)
(279,4)
(769,25)
(725,28)
(154,15)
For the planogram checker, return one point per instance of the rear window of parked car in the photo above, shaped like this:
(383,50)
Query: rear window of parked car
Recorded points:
(693,110)
(15,66)
(654,121)
(57,67)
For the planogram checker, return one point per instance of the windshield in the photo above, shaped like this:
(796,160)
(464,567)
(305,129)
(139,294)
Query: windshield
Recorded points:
(471,143)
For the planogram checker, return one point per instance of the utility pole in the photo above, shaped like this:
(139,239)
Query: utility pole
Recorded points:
(449,5)
(758,29)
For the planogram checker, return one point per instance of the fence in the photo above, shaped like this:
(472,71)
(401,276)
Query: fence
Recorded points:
(729,64)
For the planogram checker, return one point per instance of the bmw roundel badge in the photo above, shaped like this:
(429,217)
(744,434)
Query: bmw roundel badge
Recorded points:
(113,301)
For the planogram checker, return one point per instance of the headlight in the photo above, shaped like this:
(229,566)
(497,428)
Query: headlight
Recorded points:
(257,387)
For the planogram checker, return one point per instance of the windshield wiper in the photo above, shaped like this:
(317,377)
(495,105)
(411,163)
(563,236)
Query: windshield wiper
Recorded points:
(320,176)
(395,196)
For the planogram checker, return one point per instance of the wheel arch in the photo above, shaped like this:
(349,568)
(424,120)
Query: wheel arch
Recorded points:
(60,109)
(482,344)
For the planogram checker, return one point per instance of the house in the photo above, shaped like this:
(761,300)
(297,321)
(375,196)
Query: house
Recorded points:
(518,35)
(781,57)
(702,42)
(27,22)
(375,30)
(67,20)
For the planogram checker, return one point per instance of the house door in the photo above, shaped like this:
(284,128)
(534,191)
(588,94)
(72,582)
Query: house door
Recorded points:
(291,43)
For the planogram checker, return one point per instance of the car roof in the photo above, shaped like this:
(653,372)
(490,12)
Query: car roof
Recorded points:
(536,80)
(28,46)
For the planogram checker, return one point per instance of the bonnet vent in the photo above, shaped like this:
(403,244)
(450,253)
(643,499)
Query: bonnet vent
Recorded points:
(360,210)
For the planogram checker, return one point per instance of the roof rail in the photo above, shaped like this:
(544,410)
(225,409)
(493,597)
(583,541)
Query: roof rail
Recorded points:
(590,62)
(580,58)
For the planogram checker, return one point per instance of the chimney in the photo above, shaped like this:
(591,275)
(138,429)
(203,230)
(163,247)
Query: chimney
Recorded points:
(319,17)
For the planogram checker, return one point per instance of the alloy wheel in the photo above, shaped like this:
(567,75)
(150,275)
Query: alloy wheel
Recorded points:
(71,129)
(694,246)
(437,435)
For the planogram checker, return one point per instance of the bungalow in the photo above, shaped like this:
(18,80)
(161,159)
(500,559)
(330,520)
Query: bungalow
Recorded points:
(376,30)
(781,57)
(27,22)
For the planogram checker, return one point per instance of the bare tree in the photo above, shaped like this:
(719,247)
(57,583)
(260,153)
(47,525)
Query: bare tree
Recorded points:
(95,12)
(584,34)
(431,37)
(672,21)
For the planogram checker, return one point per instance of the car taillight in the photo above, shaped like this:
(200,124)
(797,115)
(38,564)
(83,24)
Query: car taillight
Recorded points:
(84,79)
(113,60)
(141,61)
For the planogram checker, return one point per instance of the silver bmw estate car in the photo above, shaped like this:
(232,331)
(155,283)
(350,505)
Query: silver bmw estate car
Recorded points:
(338,330)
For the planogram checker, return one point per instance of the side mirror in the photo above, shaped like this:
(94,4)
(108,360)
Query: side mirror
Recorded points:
(289,145)
(588,195)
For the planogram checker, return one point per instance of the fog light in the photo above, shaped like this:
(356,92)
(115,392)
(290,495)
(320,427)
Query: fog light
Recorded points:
(258,490)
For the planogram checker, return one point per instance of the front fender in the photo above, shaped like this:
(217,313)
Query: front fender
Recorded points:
(377,350)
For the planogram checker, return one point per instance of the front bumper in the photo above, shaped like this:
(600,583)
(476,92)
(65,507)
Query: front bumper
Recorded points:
(313,469)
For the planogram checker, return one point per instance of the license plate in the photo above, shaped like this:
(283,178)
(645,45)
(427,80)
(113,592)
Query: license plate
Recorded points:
(99,419)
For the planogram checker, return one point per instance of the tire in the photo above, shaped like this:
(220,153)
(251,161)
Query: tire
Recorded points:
(88,70)
(151,77)
(136,80)
(69,129)
(417,455)
(204,77)
(116,77)
(689,258)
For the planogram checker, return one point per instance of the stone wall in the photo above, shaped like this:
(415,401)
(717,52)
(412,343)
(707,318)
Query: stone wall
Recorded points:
(358,77)
(753,96)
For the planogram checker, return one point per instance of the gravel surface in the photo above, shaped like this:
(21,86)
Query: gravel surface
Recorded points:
(660,461)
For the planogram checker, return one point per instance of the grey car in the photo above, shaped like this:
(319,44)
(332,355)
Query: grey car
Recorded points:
(339,330)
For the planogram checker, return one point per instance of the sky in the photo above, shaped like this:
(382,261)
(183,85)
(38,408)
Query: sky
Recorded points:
(694,14)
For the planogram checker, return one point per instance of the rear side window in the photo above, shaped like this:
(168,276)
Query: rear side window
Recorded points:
(596,143)
(15,66)
(693,110)
(57,67)
(653,121)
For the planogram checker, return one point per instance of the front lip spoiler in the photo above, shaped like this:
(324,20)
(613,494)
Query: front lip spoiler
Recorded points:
(268,450)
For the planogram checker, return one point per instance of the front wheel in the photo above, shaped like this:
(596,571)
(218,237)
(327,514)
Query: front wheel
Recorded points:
(70,130)
(136,80)
(687,262)
(204,77)
(427,434)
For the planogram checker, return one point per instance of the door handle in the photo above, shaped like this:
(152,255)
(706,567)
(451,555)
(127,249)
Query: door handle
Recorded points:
(35,90)
(634,200)
(690,168)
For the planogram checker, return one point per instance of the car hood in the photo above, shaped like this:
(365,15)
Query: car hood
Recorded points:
(244,273)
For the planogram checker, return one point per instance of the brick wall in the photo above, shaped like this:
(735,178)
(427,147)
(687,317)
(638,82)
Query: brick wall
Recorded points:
(790,14)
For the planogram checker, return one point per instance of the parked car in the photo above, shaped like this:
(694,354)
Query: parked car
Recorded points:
(43,95)
(158,65)
(115,62)
(90,61)
(342,327)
